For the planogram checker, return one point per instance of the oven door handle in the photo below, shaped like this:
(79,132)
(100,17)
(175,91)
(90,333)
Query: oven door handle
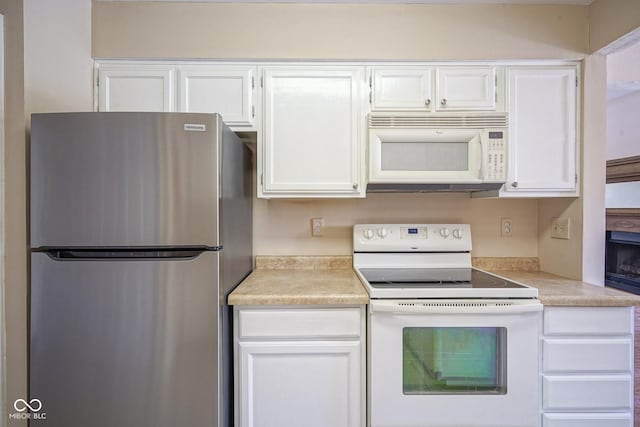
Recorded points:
(454,307)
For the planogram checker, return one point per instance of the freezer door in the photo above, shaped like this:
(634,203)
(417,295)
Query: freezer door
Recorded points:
(124,179)
(125,342)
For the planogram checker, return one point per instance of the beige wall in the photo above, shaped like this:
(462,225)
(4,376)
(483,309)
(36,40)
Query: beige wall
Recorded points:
(337,31)
(283,227)
(57,61)
(594,165)
(14,213)
(610,20)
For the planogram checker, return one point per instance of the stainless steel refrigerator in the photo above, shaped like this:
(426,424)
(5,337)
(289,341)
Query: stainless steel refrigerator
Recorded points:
(140,228)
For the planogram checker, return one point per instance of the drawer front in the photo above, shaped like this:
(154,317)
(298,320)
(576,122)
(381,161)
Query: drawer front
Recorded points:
(299,322)
(587,420)
(588,354)
(588,320)
(594,393)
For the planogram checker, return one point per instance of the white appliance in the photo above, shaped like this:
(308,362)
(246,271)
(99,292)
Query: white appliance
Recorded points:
(414,152)
(449,345)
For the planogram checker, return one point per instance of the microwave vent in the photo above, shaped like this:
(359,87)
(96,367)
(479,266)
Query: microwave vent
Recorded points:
(438,121)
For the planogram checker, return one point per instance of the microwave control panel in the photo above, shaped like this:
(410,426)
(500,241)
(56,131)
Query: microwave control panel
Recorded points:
(496,169)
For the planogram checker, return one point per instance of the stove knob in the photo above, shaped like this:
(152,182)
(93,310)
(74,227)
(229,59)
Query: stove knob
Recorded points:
(368,234)
(457,233)
(382,232)
(444,232)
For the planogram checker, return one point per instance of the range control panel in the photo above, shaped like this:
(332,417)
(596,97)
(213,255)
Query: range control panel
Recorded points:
(411,238)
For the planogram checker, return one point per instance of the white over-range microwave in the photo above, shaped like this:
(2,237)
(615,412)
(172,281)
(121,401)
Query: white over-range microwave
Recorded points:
(428,152)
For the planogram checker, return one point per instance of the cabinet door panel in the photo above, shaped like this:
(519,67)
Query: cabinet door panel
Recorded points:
(588,321)
(466,88)
(227,90)
(293,384)
(542,130)
(298,323)
(402,89)
(312,131)
(587,355)
(588,392)
(136,88)
(587,420)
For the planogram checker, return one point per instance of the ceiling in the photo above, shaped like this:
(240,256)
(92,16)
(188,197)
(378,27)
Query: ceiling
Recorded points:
(574,2)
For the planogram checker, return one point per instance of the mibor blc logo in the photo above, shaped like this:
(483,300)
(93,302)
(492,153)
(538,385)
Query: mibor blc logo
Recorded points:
(28,410)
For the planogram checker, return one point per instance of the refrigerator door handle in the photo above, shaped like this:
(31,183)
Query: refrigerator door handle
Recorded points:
(124,254)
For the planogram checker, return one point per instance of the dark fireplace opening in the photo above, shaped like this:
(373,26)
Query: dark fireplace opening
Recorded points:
(622,261)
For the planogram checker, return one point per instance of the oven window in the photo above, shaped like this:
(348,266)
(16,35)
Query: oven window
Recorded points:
(425,156)
(454,360)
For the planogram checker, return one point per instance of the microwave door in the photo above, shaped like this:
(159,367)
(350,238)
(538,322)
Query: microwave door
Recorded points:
(425,156)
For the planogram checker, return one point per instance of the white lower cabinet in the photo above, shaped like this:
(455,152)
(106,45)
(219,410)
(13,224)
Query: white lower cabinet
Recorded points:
(299,366)
(587,367)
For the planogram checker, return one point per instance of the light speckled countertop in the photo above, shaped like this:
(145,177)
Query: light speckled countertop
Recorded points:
(300,286)
(329,280)
(558,291)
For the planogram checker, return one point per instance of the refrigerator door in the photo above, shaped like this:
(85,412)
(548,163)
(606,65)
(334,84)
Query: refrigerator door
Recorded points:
(124,179)
(125,342)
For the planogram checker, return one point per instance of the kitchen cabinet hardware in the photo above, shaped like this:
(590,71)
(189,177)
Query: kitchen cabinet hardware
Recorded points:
(443,101)
(514,184)
(427,102)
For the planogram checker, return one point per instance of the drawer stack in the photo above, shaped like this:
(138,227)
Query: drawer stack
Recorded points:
(587,367)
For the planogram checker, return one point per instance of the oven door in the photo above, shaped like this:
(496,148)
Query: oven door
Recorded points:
(446,363)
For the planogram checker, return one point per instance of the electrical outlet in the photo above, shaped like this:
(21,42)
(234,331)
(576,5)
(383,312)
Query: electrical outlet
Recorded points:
(506,227)
(317,227)
(560,228)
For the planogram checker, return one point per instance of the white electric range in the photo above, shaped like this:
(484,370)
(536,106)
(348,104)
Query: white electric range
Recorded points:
(449,345)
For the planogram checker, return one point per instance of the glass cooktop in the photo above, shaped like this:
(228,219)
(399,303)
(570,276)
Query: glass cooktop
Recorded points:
(470,278)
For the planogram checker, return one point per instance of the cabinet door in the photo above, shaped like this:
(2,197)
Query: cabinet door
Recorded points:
(542,131)
(136,88)
(313,130)
(227,90)
(401,89)
(305,383)
(466,88)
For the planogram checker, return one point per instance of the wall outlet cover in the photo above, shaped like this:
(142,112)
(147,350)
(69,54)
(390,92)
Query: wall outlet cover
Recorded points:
(506,227)
(561,228)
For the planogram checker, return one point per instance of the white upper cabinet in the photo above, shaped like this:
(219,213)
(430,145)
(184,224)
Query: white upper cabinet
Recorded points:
(542,132)
(224,89)
(408,88)
(429,89)
(185,87)
(134,87)
(466,88)
(313,130)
